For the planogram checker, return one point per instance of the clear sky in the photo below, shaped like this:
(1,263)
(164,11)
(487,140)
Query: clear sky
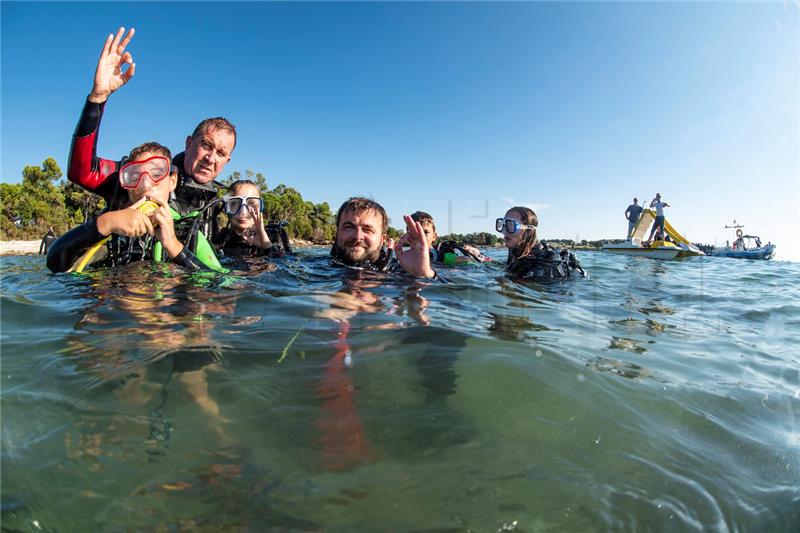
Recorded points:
(459,109)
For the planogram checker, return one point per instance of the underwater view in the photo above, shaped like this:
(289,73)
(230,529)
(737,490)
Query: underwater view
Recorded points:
(296,396)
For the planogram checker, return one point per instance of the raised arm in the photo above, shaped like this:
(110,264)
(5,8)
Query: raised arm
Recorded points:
(85,168)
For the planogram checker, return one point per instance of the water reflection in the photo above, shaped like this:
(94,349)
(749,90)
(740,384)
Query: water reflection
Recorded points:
(514,327)
(139,317)
(620,368)
(365,304)
(444,403)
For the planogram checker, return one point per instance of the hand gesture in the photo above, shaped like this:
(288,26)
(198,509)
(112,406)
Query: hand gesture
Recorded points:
(165,229)
(417,260)
(109,75)
(258,236)
(129,222)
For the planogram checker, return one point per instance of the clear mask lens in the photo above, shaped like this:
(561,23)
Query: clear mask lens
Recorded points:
(131,174)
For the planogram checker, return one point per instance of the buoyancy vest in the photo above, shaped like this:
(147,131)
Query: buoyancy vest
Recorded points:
(230,244)
(546,263)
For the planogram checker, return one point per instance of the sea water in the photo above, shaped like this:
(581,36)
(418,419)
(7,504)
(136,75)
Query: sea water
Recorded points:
(655,395)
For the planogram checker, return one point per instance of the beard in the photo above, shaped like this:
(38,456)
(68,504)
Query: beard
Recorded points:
(355,253)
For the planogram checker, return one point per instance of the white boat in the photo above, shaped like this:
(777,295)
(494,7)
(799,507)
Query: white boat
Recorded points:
(677,245)
(745,247)
(657,249)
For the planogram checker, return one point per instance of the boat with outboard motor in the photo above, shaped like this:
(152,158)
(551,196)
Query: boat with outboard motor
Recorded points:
(745,246)
(672,246)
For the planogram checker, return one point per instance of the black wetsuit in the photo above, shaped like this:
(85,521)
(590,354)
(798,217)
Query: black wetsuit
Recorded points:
(546,263)
(119,250)
(229,244)
(47,241)
(385,263)
(100,176)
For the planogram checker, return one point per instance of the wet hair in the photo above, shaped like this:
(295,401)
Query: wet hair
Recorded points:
(151,147)
(241,183)
(359,204)
(528,240)
(216,123)
(423,218)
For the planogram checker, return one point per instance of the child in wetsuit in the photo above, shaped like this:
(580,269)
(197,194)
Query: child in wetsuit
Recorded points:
(445,252)
(147,174)
(246,235)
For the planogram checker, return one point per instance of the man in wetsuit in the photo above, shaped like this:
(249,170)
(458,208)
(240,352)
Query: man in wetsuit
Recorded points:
(361,240)
(208,148)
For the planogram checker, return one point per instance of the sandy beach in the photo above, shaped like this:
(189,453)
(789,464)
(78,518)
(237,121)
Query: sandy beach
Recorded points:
(19,247)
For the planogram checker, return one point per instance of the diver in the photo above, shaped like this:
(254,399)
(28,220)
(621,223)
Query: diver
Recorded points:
(361,241)
(246,235)
(147,174)
(530,258)
(448,253)
(208,148)
(47,241)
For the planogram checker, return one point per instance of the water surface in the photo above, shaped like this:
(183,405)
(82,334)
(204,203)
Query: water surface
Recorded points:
(654,395)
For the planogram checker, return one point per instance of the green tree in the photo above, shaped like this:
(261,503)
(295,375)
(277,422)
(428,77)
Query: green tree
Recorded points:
(394,233)
(256,177)
(42,176)
(37,202)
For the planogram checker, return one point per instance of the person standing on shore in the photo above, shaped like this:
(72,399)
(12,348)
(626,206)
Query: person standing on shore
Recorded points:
(633,213)
(48,239)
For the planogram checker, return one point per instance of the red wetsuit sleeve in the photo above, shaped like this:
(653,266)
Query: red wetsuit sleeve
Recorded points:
(85,168)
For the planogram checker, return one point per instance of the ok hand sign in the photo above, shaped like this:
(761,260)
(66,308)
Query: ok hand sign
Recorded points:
(109,75)
(417,260)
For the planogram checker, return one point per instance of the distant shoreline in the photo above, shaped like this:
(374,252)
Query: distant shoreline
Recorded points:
(19,247)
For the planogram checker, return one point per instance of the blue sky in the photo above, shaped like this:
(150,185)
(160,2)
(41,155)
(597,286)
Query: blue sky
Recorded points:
(460,109)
